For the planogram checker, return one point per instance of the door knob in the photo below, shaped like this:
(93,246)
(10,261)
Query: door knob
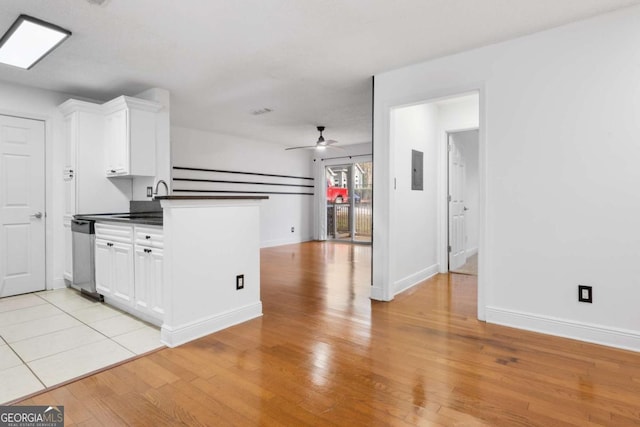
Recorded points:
(37,215)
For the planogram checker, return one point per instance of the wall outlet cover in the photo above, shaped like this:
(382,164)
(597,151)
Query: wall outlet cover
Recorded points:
(149,192)
(585,293)
(239,281)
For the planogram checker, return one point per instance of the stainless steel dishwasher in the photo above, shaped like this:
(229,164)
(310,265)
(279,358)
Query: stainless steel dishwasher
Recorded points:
(83,248)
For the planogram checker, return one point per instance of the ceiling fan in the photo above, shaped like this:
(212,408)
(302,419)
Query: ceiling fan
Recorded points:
(321,144)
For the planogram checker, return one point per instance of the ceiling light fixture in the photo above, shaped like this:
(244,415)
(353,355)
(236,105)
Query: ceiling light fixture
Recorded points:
(29,40)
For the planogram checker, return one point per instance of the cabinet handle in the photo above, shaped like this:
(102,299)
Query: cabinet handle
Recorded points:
(148,251)
(147,237)
(109,244)
(113,171)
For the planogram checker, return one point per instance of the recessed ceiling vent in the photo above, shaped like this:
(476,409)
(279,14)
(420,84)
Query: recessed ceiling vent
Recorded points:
(261,111)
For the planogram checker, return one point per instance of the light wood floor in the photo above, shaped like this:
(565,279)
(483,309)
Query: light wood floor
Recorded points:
(323,354)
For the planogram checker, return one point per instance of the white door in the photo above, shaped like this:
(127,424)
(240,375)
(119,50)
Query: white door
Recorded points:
(22,216)
(457,232)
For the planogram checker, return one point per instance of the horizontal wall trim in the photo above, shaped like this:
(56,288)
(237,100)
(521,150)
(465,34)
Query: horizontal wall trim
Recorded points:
(281,242)
(177,190)
(240,172)
(241,182)
(597,334)
(180,334)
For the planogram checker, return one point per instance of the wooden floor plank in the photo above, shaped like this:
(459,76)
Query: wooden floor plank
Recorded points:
(325,354)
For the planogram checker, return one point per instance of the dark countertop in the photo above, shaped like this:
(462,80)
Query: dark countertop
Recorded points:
(142,218)
(210,197)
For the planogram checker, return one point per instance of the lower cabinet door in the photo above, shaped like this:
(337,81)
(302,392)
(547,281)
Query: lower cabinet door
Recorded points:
(156,266)
(123,272)
(103,268)
(141,279)
(148,281)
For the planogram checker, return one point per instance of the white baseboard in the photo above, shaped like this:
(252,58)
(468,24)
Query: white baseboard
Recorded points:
(412,280)
(597,334)
(282,242)
(471,252)
(177,335)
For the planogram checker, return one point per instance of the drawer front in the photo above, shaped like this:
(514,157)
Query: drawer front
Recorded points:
(149,236)
(114,232)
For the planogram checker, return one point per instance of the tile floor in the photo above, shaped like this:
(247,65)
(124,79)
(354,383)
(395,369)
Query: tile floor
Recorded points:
(53,336)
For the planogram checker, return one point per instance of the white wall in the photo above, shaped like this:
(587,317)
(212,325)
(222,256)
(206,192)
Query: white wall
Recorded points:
(558,173)
(415,223)
(194,148)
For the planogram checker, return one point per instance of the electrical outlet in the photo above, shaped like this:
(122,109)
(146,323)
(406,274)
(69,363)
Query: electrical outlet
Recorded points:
(149,192)
(293,229)
(239,281)
(585,294)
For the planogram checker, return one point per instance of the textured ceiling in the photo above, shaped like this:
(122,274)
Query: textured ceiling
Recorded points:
(310,61)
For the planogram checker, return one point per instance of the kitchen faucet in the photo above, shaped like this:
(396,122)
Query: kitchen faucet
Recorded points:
(155,193)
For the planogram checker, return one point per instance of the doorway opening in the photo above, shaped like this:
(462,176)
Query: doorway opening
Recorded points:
(348,199)
(463,201)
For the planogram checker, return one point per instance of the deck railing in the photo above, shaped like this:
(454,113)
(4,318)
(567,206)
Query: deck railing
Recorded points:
(338,220)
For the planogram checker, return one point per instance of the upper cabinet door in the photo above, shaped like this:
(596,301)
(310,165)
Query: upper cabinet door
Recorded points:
(117,143)
(130,137)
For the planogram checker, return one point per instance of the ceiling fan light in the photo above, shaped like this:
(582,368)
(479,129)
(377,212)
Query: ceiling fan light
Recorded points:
(29,40)
(320,147)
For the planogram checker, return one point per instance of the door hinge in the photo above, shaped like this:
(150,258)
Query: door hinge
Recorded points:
(449,248)
(450,147)
(449,198)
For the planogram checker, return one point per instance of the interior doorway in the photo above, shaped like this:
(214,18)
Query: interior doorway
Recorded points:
(463,201)
(348,200)
(22,203)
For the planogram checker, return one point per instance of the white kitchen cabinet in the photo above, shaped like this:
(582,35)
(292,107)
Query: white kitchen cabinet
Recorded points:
(114,263)
(104,268)
(149,273)
(115,270)
(148,281)
(130,137)
(129,268)
(86,189)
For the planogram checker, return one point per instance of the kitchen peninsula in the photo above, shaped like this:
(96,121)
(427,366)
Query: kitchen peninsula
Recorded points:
(211,264)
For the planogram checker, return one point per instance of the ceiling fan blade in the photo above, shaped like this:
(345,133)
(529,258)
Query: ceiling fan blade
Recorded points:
(330,141)
(303,146)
